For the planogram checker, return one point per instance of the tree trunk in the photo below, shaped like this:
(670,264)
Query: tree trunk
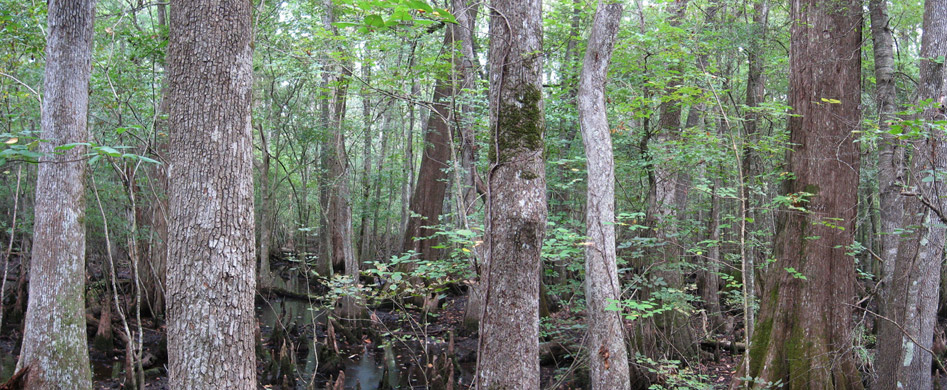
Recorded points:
(516,213)
(211,262)
(367,120)
(427,203)
(667,201)
(341,249)
(751,165)
(912,298)
(607,352)
(54,340)
(268,210)
(891,155)
(339,221)
(803,335)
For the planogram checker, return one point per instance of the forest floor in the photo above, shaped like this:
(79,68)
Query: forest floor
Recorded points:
(302,346)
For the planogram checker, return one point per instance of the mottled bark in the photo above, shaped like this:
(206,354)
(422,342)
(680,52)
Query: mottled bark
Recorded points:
(211,251)
(913,294)
(803,336)
(516,200)
(54,339)
(607,352)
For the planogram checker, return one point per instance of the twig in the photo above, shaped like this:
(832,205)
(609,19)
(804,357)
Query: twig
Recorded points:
(108,249)
(940,365)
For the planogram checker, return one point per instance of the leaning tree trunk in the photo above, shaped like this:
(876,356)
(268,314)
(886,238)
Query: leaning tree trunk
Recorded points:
(211,259)
(803,336)
(607,353)
(516,200)
(911,300)
(54,339)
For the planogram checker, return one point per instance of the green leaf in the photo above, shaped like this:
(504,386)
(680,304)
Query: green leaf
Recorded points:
(345,24)
(421,6)
(111,152)
(374,21)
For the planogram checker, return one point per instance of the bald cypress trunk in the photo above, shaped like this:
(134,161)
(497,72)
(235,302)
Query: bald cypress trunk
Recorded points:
(54,339)
(803,336)
(211,262)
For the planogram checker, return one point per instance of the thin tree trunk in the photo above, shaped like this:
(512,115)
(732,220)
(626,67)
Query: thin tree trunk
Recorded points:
(376,198)
(268,211)
(751,164)
(364,239)
(516,214)
(54,340)
(667,201)
(211,251)
(803,335)
(912,299)
(891,155)
(607,351)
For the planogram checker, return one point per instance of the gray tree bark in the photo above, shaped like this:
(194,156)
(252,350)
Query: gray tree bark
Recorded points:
(607,352)
(54,340)
(891,155)
(516,200)
(211,262)
(912,298)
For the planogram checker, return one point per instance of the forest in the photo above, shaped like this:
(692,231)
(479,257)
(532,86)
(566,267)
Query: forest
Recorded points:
(451,194)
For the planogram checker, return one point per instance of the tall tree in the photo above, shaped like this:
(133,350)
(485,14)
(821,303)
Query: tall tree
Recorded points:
(667,202)
(427,202)
(607,352)
(912,297)
(752,165)
(803,334)
(54,340)
(516,204)
(211,256)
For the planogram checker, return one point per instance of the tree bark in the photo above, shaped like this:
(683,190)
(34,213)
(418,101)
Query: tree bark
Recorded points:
(427,202)
(804,332)
(341,246)
(607,352)
(891,155)
(516,200)
(54,341)
(911,301)
(211,262)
